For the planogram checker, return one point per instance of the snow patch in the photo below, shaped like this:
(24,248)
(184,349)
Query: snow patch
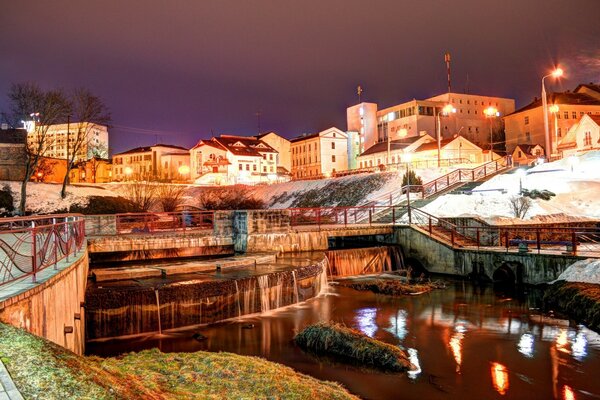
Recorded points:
(586,271)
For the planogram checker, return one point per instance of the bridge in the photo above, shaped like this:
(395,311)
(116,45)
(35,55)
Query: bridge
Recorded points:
(44,260)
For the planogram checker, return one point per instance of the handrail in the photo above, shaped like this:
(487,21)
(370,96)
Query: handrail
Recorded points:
(29,250)
(438,183)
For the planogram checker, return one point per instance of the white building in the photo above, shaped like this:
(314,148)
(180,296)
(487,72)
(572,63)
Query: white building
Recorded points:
(229,160)
(319,154)
(419,117)
(61,138)
(283,147)
(158,162)
(583,136)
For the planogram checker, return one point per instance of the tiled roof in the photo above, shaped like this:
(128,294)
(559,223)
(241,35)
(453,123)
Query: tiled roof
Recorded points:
(146,149)
(527,148)
(249,145)
(434,145)
(304,137)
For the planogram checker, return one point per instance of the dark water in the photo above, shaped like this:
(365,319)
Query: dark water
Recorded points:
(470,342)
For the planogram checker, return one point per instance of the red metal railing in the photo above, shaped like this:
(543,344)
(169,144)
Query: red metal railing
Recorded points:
(570,240)
(444,182)
(164,221)
(344,216)
(38,243)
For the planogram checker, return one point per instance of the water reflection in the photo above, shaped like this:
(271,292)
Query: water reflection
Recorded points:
(398,324)
(365,320)
(500,378)
(568,393)
(456,347)
(562,341)
(414,359)
(525,345)
(579,346)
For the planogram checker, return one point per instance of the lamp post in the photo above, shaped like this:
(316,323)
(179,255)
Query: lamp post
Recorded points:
(554,110)
(407,159)
(491,112)
(557,73)
(447,110)
(521,175)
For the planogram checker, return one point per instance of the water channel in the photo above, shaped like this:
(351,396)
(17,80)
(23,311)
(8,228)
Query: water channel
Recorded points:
(469,341)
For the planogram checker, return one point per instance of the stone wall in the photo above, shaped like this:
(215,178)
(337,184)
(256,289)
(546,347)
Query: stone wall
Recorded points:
(53,309)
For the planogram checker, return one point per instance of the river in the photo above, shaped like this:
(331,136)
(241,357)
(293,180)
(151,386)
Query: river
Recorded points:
(469,341)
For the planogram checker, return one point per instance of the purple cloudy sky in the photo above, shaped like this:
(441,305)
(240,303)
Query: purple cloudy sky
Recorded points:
(178,70)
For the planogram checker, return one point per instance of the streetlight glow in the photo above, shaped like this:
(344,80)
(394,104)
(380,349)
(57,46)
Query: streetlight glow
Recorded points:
(557,73)
(554,108)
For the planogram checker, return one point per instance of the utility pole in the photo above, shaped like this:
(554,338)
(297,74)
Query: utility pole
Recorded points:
(258,120)
(359,91)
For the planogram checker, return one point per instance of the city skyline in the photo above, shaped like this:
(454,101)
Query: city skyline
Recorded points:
(211,69)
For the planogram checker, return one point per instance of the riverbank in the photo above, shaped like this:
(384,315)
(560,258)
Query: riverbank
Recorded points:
(391,287)
(43,370)
(580,301)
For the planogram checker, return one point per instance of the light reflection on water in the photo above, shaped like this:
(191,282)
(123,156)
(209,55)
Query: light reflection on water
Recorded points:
(465,343)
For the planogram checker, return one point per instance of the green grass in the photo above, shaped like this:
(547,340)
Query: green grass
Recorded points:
(328,338)
(580,301)
(43,370)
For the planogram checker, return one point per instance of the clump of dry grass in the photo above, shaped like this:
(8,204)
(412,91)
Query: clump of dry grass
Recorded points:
(581,301)
(394,287)
(329,338)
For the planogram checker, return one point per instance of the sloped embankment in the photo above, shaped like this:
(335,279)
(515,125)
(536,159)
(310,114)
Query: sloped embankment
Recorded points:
(580,301)
(43,370)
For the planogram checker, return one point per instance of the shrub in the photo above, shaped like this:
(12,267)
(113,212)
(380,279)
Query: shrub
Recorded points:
(414,179)
(104,205)
(520,205)
(338,340)
(231,198)
(142,194)
(170,197)
(6,200)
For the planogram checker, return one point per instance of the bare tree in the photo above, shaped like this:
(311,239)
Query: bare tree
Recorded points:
(28,100)
(143,194)
(520,205)
(228,199)
(170,196)
(88,111)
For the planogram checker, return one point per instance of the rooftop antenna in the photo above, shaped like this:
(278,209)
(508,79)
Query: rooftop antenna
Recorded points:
(447,60)
(359,91)
(258,120)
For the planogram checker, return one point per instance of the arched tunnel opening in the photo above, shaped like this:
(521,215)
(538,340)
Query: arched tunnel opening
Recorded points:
(504,276)
(416,267)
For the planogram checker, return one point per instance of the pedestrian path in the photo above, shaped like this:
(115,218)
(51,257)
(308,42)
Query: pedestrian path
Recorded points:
(8,390)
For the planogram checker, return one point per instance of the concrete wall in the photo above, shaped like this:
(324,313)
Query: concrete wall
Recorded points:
(53,309)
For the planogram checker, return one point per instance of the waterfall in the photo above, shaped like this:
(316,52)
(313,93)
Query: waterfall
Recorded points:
(296,297)
(323,283)
(370,260)
(237,295)
(263,286)
(158,311)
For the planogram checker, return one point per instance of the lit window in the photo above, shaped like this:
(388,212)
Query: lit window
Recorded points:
(574,114)
(587,140)
(566,114)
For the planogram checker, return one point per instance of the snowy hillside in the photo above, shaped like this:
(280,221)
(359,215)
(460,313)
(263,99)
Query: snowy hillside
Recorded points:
(576,183)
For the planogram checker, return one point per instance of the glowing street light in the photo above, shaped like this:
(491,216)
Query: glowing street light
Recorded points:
(557,73)
(128,172)
(183,170)
(491,112)
(447,110)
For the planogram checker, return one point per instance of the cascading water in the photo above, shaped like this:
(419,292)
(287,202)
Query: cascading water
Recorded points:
(296,298)
(237,295)
(158,310)
(370,260)
(263,286)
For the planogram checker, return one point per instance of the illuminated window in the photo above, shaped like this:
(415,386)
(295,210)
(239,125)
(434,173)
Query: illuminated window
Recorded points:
(587,140)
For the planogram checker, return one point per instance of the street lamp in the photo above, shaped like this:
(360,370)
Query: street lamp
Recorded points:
(491,112)
(521,174)
(557,73)
(128,172)
(184,170)
(407,159)
(554,110)
(447,110)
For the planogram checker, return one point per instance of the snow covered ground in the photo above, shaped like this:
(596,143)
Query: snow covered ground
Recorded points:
(44,198)
(587,271)
(575,181)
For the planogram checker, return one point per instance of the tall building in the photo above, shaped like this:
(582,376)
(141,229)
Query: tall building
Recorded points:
(158,162)
(418,117)
(61,138)
(319,154)
(526,125)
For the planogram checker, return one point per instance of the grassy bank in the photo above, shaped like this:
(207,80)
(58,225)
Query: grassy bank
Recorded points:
(394,287)
(580,301)
(338,340)
(43,370)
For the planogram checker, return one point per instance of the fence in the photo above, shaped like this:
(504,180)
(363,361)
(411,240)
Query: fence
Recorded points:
(29,245)
(569,239)
(344,216)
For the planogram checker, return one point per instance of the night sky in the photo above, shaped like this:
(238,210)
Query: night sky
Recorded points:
(175,71)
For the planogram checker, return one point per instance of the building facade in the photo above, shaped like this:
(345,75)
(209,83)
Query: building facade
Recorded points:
(416,118)
(13,157)
(94,170)
(319,154)
(230,159)
(158,162)
(526,125)
(282,145)
(582,137)
(60,140)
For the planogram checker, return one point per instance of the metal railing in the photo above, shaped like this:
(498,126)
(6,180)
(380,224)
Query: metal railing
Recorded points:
(344,216)
(568,240)
(29,245)
(149,223)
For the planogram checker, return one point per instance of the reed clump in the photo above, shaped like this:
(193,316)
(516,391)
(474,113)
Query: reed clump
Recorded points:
(393,287)
(329,338)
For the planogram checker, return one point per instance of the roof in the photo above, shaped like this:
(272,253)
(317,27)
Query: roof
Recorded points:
(591,86)
(304,137)
(210,143)
(561,98)
(13,136)
(434,145)
(527,148)
(146,149)
(570,139)
(249,146)
(394,145)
